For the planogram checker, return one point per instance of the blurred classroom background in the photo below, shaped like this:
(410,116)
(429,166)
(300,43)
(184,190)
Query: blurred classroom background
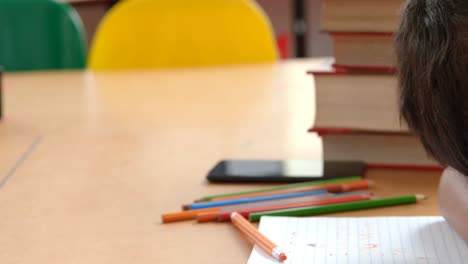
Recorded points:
(108,122)
(296,24)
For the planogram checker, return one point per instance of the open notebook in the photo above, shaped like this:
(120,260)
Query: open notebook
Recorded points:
(362,240)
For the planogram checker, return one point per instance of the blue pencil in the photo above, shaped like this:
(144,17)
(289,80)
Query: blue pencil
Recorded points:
(253,199)
(289,200)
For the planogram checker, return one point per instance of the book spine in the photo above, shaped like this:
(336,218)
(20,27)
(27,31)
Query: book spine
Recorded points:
(360,34)
(364,69)
(321,131)
(344,69)
(335,71)
(404,166)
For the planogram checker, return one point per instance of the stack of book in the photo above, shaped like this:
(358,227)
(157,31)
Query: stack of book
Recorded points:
(357,100)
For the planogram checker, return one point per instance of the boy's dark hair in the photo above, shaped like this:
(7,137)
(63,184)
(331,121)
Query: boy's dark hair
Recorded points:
(432,58)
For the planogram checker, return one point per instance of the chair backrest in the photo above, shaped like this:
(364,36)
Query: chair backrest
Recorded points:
(39,35)
(169,33)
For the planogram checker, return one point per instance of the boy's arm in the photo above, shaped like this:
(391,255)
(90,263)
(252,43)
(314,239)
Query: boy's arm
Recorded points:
(453,200)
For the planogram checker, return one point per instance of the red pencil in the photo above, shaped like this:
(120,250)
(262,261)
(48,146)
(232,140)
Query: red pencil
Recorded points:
(225,215)
(192,214)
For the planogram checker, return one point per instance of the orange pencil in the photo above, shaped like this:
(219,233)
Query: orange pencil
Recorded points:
(192,214)
(333,187)
(258,238)
(185,215)
(223,216)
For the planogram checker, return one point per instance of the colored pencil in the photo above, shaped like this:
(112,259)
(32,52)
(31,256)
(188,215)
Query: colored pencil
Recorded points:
(211,216)
(224,216)
(192,214)
(253,199)
(281,187)
(333,187)
(332,208)
(258,238)
(185,215)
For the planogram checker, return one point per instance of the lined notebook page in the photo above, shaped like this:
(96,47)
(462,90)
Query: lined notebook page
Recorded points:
(362,240)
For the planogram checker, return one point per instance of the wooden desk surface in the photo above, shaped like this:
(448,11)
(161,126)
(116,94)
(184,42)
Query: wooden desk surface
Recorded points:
(90,161)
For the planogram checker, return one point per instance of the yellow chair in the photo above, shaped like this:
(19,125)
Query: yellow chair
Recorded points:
(138,34)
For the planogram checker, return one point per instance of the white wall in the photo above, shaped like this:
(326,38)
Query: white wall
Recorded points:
(280,13)
(319,44)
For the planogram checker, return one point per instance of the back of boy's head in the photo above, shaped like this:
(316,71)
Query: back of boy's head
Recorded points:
(432,57)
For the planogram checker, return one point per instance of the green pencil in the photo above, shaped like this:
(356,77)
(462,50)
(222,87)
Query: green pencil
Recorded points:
(333,208)
(282,187)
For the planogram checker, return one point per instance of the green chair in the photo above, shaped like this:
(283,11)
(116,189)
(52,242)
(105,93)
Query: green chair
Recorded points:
(40,35)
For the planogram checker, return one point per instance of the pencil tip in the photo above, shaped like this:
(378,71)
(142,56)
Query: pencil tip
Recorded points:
(421,197)
(283,257)
(185,207)
(233,214)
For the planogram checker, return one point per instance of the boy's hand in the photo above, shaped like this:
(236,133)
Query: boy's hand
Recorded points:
(453,200)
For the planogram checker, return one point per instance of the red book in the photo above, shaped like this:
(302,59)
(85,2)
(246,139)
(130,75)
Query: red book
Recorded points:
(357,117)
(385,150)
(360,15)
(359,101)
